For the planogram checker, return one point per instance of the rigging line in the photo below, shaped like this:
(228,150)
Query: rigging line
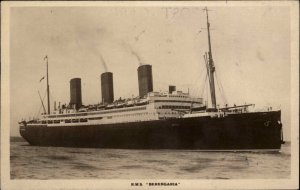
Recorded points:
(38,111)
(203,69)
(207,91)
(44,96)
(198,90)
(36,115)
(221,89)
(201,86)
(206,61)
(205,84)
(223,92)
(41,105)
(204,81)
(42,101)
(198,86)
(51,96)
(195,82)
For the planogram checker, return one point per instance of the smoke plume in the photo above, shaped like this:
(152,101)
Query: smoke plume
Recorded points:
(129,48)
(87,43)
(138,57)
(103,62)
(92,49)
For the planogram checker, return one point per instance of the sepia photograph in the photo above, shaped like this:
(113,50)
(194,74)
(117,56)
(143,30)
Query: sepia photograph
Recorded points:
(126,95)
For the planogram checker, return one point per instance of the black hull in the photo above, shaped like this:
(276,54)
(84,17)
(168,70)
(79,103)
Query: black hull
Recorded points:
(247,131)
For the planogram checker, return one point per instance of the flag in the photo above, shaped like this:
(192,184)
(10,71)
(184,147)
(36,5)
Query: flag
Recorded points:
(42,79)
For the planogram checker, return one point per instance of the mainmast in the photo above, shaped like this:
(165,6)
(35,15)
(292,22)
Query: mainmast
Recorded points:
(210,66)
(48,98)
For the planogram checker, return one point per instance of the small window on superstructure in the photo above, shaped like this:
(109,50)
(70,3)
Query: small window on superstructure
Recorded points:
(83,120)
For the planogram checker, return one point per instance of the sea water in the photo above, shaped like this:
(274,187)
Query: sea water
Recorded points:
(33,162)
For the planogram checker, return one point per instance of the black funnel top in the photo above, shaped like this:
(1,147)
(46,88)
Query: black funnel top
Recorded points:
(107,87)
(145,79)
(75,92)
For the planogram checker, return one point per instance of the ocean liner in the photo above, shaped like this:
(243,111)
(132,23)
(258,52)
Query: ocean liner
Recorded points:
(154,120)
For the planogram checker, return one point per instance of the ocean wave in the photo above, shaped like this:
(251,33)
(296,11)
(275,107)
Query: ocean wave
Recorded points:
(58,157)
(31,162)
(84,167)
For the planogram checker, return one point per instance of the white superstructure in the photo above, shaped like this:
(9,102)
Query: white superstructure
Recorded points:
(154,106)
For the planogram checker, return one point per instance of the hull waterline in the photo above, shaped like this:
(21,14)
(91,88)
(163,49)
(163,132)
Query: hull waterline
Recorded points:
(247,131)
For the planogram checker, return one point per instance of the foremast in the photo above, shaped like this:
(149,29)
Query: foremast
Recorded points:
(210,65)
(48,90)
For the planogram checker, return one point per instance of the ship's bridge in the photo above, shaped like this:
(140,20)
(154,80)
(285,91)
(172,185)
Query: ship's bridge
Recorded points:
(172,105)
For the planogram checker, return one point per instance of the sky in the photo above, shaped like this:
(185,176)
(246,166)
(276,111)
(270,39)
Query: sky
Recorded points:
(250,46)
